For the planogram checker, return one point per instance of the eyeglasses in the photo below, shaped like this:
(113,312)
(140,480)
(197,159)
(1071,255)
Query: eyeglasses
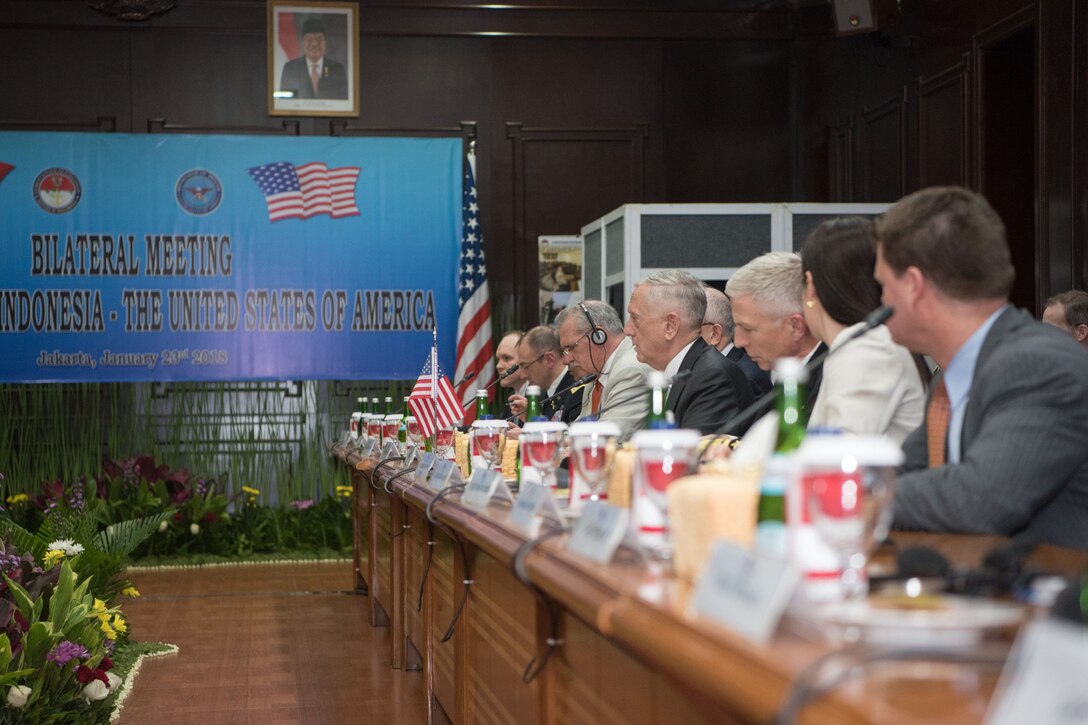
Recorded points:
(526,366)
(568,349)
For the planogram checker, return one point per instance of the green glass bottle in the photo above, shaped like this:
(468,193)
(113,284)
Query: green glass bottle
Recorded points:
(389,405)
(532,403)
(771,534)
(357,418)
(483,411)
(657,417)
(402,432)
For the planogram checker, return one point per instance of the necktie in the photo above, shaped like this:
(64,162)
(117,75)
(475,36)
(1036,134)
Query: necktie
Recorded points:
(313,76)
(937,415)
(595,399)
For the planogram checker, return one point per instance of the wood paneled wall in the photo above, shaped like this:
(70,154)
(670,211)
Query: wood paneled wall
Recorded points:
(580,107)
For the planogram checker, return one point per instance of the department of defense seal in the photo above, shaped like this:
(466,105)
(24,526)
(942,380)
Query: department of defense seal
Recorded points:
(57,190)
(198,192)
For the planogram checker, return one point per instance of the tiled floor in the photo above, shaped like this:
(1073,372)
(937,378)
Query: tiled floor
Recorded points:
(275,643)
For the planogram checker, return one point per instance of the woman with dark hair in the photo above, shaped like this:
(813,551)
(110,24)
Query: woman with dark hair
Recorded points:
(874,387)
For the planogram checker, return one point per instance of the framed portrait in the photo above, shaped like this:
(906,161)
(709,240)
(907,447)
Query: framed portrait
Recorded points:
(313,59)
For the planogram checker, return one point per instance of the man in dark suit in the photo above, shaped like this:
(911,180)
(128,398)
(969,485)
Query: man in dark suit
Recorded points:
(766,299)
(541,361)
(664,317)
(718,327)
(314,75)
(1003,447)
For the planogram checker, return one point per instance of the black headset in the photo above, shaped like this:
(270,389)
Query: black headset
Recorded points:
(597,335)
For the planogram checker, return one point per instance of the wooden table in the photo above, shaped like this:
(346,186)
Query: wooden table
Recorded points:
(629,652)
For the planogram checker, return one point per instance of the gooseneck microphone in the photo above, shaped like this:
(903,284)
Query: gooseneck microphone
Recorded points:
(468,376)
(678,378)
(576,385)
(741,420)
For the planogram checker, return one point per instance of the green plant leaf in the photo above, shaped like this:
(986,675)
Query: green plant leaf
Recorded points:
(40,638)
(124,536)
(61,600)
(5,652)
(22,599)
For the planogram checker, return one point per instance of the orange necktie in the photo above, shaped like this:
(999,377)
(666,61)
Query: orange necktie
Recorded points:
(595,399)
(937,415)
(313,76)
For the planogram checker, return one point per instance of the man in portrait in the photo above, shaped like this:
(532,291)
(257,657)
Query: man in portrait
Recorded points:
(314,74)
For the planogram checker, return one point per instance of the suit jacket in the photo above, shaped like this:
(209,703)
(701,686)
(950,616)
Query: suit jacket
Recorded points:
(760,379)
(626,378)
(332,84)
(812,389)
(716,391)
(566,403)
(1023,468)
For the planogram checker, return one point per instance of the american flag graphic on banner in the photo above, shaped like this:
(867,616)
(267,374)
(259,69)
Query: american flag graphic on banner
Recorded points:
(300,192)
(432,400)
(474,353)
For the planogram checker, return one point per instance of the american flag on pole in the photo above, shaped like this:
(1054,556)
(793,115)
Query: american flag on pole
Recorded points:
(432,400)
(474,351)
(300,192)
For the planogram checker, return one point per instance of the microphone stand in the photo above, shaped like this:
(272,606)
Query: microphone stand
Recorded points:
(581,382)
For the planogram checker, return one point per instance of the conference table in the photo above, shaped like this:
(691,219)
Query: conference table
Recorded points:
(624,647)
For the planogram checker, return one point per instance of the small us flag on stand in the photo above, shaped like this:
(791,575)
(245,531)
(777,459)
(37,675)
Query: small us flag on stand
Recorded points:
(300,192)
(474,320)
(432,400)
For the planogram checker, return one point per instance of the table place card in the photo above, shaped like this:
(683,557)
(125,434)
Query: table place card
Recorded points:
(482,486)
(367,448)
(1043,679)
(345,439)
(412,455)
(535,502)
(389,451)
(744,591)
(445,473)
(426,463)
(598,531)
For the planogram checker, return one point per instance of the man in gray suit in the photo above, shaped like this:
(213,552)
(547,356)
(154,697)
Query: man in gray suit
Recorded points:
(591,337)
(1004,446)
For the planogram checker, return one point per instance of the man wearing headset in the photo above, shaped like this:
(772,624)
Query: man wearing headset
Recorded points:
(592,340)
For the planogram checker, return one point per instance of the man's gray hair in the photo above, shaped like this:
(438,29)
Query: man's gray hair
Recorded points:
(774,281)
(720,310)
(680,288)
(604,316)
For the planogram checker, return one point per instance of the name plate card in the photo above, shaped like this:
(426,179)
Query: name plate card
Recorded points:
(426,463)
(445,473)
(390,450)
(1043,679)
(412,456)
(367,448)
(535,502)
(482,486)
(345,439)
(598,532)
(744,591)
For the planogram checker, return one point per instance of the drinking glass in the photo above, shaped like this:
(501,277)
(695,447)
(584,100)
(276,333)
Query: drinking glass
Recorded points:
(849,503)
(662,457)
(390,427)
(544,449)
(443,441)
(415,432)
(374,427)
(593,453)
(489,437)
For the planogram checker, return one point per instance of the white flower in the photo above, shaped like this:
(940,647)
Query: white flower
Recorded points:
(69,547)
(18,695)
(163,526)
(114,681)
(95,690)
(109,530)
(194,529)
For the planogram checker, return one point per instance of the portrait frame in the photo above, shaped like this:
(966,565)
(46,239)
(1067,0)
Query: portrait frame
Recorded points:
(292,90)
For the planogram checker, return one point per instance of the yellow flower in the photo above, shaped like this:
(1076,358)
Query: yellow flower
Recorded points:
(251,491)
(99,605)
(130,592)
(53,557)
(107,629)
(119,624)
(18,498)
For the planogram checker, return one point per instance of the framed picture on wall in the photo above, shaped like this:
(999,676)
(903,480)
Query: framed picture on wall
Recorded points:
(313,59)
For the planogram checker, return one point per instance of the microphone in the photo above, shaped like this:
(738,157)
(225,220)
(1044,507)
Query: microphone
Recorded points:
(740,421)
(509,371)
(576,385)
(468,376)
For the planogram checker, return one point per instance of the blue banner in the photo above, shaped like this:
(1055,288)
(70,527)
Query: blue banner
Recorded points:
(165,257)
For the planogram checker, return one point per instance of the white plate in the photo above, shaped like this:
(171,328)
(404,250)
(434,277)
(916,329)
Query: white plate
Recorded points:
(961,622)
